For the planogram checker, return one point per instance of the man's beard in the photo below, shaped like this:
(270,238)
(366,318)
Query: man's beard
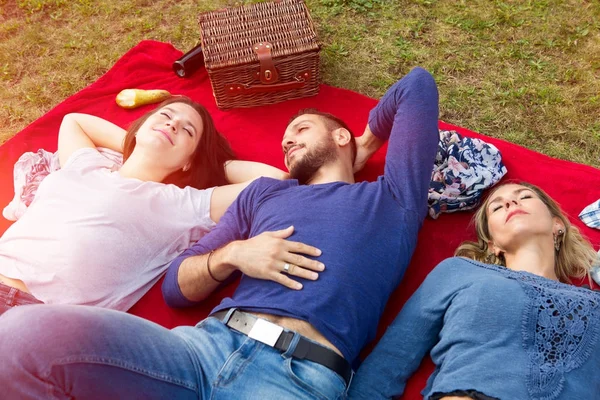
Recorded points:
(305,168)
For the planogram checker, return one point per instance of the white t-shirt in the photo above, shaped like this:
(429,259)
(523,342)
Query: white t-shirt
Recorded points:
(93,237)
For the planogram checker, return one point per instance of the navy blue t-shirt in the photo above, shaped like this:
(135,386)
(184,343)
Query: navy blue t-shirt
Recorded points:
(367,231)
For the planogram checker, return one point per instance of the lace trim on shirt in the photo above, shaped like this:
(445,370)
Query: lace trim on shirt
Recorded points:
(560,329)
(559,333)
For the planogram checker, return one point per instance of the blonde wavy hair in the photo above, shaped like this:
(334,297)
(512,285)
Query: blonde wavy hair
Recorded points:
(574,259)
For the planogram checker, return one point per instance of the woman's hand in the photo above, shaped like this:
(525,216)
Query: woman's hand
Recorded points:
(265,256)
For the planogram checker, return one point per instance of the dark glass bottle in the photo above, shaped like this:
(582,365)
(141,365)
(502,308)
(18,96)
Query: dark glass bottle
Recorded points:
(185,66)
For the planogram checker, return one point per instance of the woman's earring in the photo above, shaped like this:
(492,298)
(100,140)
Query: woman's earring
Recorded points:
(558,238)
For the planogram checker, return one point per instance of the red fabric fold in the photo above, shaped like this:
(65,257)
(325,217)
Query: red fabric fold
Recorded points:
(256,133)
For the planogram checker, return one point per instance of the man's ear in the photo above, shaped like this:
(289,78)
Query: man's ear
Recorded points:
(341,136)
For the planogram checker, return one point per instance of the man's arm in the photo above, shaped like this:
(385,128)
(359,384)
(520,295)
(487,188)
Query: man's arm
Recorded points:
(407,117)
(263,256)
(366,145)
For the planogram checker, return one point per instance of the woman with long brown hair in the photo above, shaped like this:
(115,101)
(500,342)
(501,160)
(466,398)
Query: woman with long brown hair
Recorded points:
(99,233)
(502,319)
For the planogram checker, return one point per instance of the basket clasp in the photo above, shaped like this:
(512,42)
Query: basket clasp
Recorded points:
(268,72)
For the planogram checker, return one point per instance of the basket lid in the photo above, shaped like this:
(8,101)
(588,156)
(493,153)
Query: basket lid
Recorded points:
(229,34)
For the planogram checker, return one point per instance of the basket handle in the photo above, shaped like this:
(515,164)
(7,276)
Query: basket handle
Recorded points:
(299,81)
(268,72)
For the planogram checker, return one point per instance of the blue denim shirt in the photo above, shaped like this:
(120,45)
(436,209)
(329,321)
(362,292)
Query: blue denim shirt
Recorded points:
(507,334)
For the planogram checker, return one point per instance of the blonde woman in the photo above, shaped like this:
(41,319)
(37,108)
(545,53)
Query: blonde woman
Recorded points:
(502,320)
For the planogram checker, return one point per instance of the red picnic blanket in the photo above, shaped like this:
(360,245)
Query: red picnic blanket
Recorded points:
(255,134)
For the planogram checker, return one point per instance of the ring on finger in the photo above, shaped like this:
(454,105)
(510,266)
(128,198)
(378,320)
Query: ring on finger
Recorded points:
(286,268)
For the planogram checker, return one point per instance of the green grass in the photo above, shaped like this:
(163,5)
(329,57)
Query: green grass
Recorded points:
(524,71)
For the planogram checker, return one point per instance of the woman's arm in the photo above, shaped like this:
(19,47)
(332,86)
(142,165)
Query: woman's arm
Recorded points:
(222,197)
(410,337)
(238,171)
(240,174)
(82,130)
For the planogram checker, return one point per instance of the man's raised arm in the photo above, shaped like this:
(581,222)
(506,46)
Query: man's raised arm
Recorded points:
(407,117)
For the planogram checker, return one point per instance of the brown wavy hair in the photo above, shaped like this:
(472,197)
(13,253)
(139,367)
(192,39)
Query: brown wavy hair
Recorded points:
(207,163)
(574,259)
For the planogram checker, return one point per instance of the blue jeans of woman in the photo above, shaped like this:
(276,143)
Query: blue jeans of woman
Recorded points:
(11,297)
(122,356)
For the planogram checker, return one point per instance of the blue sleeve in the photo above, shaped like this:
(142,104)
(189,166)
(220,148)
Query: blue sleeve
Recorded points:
(407,117)
(234,225)
(410,337)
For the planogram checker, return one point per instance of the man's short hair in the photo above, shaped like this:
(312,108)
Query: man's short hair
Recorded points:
(331,123)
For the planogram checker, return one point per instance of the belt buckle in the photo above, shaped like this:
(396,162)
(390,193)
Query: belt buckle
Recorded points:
(265,332)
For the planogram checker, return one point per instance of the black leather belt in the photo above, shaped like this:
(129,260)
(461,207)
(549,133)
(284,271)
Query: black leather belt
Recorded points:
(254,327)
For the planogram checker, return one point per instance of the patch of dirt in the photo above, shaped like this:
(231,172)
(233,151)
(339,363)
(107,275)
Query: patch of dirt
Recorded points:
(9,9)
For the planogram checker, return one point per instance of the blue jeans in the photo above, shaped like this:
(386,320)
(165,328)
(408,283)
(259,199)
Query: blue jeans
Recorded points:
(11,297)
(93,353)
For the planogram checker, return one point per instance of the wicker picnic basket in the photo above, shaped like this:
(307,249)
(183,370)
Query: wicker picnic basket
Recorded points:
(260,54)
